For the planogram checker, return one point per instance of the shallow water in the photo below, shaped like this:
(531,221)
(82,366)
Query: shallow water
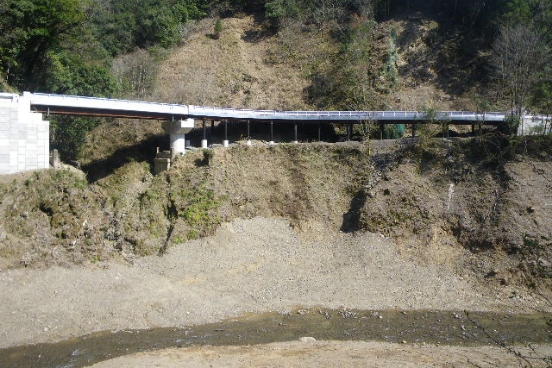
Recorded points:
(432,327)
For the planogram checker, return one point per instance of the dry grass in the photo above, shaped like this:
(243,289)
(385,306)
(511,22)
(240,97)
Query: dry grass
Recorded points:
(239,69)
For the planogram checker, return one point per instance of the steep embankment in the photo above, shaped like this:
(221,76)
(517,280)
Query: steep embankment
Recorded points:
(435,201)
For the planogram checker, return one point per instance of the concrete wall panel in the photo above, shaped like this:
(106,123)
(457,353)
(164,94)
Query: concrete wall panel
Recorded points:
(24,137)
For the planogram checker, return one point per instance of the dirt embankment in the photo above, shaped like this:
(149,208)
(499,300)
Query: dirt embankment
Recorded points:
(435,202)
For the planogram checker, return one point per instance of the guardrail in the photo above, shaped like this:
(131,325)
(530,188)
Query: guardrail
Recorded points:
(340,116)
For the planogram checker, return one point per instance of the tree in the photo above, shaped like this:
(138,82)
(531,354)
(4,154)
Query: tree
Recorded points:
(30,30)
(218,28)
(520,57)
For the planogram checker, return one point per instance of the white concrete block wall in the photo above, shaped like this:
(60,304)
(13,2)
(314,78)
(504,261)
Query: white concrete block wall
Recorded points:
(24,137)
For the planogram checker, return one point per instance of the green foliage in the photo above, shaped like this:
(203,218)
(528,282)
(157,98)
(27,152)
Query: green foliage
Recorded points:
(279,9)
(30,30)
(394,131)
(218,28)
(143,23)
(542,97)
(512,125)
(537,13)
(197,207)
(519,11)
(68,133)
(197,211)
(351,82)
(67,74)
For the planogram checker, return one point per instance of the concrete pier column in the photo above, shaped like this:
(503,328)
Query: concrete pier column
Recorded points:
(295,133)
(319,132)
(381,130)
(226,142)
(178,143)
(249,133)
(212,131)
(271,133)
(204,140)
(177,131)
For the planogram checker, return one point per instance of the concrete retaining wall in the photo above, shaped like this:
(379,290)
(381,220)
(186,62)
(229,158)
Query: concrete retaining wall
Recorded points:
(24,136)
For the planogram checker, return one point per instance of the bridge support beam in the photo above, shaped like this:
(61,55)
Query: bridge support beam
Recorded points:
(177,131)
(271,133)
(295,140)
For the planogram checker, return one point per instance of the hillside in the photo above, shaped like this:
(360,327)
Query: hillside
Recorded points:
(121,211)
(251,67)
(436,202)
(427,224)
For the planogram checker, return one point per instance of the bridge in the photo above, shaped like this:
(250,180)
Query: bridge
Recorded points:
(92,106)
(24,136)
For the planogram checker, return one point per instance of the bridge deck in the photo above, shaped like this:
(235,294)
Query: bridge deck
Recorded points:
(92,106)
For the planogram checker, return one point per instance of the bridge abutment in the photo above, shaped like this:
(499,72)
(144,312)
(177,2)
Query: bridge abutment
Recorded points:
(24,136)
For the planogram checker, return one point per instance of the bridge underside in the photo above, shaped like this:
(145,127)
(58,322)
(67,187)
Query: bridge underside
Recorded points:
(123,114)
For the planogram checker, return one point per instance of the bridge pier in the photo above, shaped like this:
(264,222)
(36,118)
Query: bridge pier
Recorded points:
(249,133)
(319,132)
(177,131)
(295,133)
(212,131)
(226,142)
(204,140)
(271,133)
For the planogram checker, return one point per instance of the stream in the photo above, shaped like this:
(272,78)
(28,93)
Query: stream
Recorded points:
(394,326)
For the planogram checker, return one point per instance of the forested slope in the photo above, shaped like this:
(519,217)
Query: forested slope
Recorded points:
(349,53)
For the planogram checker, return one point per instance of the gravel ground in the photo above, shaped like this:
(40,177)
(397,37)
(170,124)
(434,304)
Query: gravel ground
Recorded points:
(329,354)
(253,265)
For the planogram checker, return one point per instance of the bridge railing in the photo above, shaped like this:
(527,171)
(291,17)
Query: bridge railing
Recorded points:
(217,112)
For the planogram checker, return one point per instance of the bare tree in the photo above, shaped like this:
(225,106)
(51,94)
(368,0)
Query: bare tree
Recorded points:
(520,56)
